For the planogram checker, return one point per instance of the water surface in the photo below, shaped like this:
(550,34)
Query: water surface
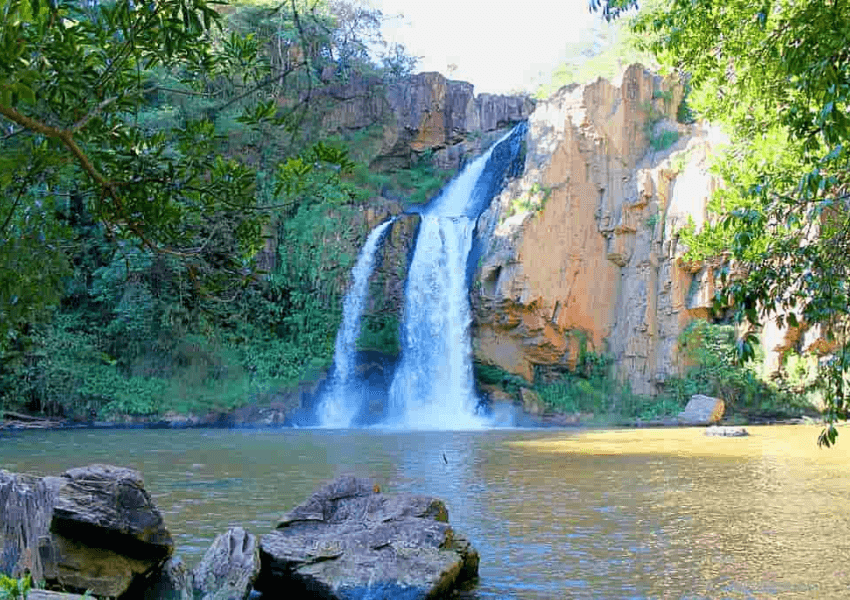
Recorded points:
(614,514)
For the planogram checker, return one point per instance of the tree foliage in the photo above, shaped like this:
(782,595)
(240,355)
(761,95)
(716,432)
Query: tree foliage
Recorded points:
(612,9)
(170,220)
(14,589)
(776,75)
(75,84)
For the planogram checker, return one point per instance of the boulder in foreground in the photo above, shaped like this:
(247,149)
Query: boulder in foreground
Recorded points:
(93,529)
(349,541)
(229,568)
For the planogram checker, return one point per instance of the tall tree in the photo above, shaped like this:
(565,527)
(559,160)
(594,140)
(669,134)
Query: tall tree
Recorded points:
(73,82)
(776,75)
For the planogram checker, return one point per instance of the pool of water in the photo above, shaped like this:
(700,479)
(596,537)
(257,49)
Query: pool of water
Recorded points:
(554,514)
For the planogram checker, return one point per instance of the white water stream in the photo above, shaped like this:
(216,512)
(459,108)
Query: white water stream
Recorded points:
(339,405)
(433,387)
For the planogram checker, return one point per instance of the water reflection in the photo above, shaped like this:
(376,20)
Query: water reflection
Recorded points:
(635,514)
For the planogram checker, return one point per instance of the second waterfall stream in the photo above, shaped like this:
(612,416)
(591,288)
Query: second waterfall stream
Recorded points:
(340,403)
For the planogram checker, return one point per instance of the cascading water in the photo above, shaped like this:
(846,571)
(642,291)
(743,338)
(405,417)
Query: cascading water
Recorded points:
(433,387)
(433,384)
(340,403)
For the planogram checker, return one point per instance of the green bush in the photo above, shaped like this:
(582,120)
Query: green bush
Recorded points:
(576,394)
(380,332)
(684,113)
(590,388)
(652,221)
(711,349)
(14,589)
(663,140)
(493,375)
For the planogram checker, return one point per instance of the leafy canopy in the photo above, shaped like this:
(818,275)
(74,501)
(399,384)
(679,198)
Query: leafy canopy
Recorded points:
(75,80)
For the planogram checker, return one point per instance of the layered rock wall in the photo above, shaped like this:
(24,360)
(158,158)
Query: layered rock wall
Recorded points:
(583,251)
(423,112)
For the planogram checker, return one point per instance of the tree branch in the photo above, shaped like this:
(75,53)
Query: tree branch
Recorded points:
(17,201)
(63,135)
(269,80)
(95,111)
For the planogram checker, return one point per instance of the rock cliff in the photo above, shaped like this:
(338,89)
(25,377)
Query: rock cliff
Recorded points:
(582,252)
(423,112)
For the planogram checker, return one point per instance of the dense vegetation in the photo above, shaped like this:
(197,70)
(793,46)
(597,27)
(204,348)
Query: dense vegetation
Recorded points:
(593,391)
(14,589)
(170,203)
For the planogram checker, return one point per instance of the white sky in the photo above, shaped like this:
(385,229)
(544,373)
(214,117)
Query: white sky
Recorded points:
(498,46)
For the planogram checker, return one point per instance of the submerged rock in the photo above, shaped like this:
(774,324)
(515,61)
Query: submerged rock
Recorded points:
(727,431)
(93,529)
(350,541)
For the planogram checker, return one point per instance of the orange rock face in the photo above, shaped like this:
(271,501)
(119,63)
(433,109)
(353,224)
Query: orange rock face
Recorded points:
(582,251)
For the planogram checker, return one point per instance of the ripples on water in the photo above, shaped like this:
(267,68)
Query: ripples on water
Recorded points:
(618,514)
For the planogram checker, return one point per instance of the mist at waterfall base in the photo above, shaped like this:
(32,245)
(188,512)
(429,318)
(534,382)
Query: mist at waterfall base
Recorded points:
(432,384)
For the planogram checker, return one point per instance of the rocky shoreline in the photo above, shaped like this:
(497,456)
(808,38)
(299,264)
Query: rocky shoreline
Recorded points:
(549,420)
(96,530)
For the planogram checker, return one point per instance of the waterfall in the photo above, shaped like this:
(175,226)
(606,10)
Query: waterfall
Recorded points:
(340,403)
(434,387)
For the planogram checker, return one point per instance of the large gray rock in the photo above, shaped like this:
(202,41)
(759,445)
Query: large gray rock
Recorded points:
(702,410)
(172,582)
(349,541)
(26,510)
(92,529)
(229,568)
(111,500)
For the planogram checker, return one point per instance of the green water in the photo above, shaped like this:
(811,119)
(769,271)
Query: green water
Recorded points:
(634,514)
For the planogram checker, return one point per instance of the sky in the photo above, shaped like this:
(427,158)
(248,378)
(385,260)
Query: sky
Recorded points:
(496,45)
